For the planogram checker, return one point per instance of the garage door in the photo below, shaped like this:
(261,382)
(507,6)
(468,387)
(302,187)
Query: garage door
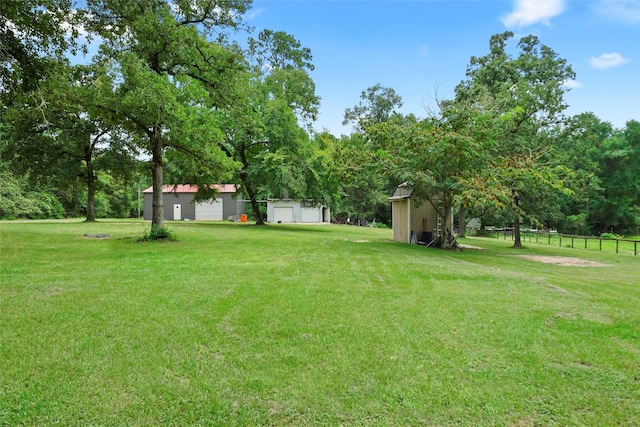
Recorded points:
(310,214)
(211,210)
(284,214)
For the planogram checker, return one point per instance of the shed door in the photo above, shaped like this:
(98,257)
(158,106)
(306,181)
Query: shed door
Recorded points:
(284,214)
(211,210)
(177,212)
(311,214)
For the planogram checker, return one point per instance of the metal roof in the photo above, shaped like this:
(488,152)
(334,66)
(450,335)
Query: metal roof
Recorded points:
(186,188)
(403,191)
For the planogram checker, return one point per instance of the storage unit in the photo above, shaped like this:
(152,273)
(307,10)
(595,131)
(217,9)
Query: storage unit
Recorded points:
(412,221)
(178,204)
(297,211)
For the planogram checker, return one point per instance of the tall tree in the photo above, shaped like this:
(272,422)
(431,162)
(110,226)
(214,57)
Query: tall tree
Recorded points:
(361,190)
(59,142)
(32,32)
(619,209)
(581,150)
(265,126)
(525,96)
(163,59)
(436,161)
(378,104)
(366,186)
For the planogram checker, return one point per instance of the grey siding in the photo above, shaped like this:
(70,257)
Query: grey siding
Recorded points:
(148,198)
(185,199)
(168,200)
(230,206)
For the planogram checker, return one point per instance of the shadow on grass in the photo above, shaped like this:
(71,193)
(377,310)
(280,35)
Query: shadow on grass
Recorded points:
(296,228)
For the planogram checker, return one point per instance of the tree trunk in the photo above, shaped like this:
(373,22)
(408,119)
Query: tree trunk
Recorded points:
(462,222)
(448,239)
(255,207)
(517,242)
(91,194)
(157,165)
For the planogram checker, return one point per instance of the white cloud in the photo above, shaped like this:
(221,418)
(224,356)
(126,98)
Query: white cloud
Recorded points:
(572,84)
(608,60)
(622,10)
(529,12)
(253,13)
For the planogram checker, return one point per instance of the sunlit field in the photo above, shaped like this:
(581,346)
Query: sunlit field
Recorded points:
(234,324)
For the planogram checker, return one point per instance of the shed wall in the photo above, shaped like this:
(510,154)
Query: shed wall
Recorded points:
(400,218)
(423,218)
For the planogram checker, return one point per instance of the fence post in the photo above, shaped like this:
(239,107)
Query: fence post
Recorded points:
(600,241)
(635,248)
(560,235)
(617,241)
(585,242)
(571,242)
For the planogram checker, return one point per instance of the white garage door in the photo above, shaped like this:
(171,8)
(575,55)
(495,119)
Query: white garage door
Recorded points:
(284,214)
(211,210)
(311,214)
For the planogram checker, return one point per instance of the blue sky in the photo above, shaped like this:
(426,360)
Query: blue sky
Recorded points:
(422,48)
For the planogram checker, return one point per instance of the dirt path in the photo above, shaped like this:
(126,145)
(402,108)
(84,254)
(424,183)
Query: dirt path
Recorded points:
(565,261)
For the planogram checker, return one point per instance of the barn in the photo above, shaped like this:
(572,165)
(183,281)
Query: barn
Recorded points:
(297,211)
(179,205)
(413,222)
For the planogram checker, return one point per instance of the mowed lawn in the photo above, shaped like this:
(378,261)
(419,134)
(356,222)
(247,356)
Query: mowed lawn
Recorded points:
(297,325)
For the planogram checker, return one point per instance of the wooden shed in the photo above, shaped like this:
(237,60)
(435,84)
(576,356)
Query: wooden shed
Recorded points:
(412,221)
(297,211)
(179,205)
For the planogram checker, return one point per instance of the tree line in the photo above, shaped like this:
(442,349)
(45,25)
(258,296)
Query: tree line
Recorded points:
(184,92)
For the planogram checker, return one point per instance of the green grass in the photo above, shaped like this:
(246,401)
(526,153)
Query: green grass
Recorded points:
(293,325)
(623,246)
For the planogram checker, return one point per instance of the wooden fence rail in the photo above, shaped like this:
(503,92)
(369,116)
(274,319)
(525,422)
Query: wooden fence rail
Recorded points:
(572,240)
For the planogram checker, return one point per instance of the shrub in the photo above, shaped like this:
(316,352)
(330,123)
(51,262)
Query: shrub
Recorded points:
(610,236)
(157,233)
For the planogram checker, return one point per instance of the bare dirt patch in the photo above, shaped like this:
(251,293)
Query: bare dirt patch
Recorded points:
(564,261)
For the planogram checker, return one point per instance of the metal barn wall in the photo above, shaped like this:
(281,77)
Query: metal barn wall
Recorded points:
(185,199)
(168,200)
(230,207)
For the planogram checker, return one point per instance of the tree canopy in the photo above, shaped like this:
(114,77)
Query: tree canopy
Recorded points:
(172,88)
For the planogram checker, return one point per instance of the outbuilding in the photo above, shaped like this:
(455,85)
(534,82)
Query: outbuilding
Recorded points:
(413,221)
(179,204)
(297,211)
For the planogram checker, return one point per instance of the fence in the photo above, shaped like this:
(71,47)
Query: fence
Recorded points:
(603,244)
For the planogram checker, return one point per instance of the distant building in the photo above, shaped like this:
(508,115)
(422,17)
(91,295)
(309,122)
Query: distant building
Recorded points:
(412,222)
(179,205)
(297,211)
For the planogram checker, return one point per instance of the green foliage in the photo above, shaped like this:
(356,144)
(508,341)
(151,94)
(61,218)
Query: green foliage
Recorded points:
(31,34)
(157,234)
(523,96)
(18,201)
(436,161)
(378,104)
(610,236)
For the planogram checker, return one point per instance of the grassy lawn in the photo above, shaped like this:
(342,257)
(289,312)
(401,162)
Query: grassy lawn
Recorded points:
(293,325)
(623,246)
